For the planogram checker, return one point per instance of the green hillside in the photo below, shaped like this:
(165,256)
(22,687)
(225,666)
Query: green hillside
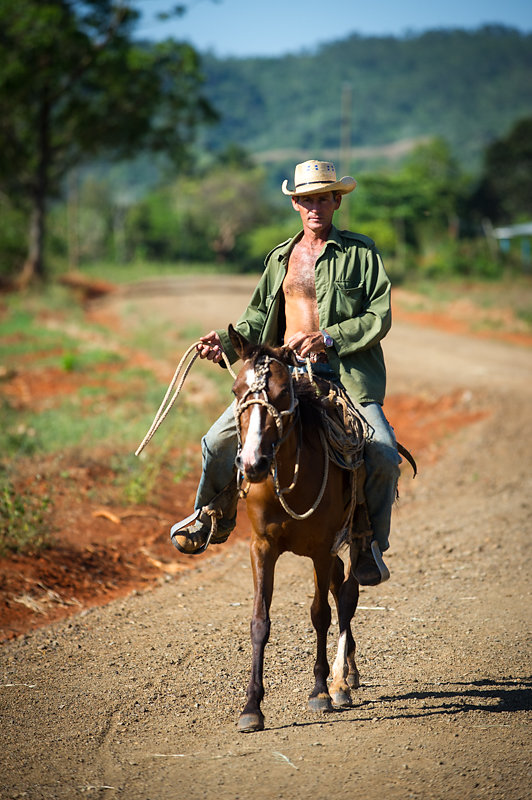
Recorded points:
(465,86)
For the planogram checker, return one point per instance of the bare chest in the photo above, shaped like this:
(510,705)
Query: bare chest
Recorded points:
(299,280)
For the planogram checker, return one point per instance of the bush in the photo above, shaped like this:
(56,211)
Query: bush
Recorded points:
(470,259)
(260,241)
(382,232)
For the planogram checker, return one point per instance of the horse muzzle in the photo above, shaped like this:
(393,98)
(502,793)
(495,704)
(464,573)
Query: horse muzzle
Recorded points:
(256,471)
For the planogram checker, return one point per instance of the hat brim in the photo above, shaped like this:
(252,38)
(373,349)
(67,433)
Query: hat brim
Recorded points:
(344,186)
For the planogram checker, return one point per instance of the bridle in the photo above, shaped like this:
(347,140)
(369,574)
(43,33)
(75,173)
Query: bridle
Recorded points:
(257,394)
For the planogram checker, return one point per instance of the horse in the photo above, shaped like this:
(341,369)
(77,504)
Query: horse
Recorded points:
(282,454)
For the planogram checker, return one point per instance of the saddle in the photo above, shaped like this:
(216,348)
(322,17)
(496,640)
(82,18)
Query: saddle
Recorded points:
(345,428)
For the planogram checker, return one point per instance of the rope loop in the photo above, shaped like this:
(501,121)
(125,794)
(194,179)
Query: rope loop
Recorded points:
(167,403)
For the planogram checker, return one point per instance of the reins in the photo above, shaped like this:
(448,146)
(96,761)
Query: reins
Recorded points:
(280,492)
(167,404)
(259,387)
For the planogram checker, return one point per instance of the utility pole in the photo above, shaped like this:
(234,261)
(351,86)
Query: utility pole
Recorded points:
(345,146)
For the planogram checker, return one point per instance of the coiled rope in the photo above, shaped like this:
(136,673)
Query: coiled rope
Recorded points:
(167,403)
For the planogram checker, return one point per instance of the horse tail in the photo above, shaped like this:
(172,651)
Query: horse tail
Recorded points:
(409,457)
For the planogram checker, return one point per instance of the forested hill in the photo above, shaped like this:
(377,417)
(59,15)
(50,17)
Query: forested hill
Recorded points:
(465,86)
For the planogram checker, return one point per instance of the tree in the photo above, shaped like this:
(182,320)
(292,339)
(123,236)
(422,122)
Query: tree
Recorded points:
(504,193)
(73,85)
(203,217)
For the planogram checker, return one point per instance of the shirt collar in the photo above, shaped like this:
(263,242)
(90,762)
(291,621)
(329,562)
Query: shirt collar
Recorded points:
(334,238)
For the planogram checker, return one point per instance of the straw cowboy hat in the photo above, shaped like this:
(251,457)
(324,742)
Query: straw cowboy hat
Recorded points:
(312,177)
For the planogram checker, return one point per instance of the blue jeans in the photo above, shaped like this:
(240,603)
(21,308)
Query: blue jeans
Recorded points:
(220,443)
(382,471)
(218,448)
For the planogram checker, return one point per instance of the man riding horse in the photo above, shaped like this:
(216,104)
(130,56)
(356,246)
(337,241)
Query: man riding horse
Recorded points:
(325,294)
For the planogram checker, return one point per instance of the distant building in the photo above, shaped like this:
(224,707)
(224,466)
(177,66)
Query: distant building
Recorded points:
(523,232)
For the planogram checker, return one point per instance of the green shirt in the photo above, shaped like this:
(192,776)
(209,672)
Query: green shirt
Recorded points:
(353,296)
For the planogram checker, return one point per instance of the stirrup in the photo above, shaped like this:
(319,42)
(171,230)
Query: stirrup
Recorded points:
(214,514)
(183,525)
(377,555)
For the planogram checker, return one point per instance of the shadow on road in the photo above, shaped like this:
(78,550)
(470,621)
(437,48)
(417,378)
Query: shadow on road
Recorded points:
(504,695)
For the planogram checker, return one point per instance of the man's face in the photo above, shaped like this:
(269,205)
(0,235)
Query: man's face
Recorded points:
(316,210)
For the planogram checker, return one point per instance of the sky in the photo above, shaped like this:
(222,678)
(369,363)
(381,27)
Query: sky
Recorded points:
(277,27)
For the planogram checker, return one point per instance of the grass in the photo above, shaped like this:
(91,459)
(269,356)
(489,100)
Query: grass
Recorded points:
(90,418)
(142,270)
(24,519)
(92,411)
(525,315)
(47,326)
(139,476)
(22,335)
(84,360)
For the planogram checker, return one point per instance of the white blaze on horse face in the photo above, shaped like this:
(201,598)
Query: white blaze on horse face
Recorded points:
(251,446)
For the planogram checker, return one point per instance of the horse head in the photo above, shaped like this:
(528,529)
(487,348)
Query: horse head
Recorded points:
(265,398)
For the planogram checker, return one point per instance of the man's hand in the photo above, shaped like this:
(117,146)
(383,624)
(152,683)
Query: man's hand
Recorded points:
(210,347)
(306,343)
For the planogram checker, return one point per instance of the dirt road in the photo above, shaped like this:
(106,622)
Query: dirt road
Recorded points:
(139,699)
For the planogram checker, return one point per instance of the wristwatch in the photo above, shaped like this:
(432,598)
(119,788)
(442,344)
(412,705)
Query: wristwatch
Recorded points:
(328,341)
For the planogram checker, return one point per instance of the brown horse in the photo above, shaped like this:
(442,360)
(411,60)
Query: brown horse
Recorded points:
(297,501)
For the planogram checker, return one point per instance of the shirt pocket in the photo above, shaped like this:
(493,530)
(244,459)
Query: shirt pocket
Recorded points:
(348,299)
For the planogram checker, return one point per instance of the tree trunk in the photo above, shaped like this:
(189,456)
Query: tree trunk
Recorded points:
(34,266)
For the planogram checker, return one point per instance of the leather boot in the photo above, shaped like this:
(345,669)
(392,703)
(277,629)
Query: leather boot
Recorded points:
(370,569)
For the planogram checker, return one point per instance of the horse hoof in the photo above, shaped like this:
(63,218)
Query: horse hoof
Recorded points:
(321,703)
(249,723)
(341,699)
(353,680)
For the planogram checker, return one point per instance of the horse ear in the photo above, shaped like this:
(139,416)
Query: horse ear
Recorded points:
(288,356)
(239,342)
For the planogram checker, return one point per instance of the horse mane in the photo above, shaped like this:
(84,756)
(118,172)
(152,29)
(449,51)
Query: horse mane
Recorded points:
(257,352)
(310,403)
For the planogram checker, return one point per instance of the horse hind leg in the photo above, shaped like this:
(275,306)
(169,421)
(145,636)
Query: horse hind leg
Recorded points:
(352,591)
(320,699)
(353,675)
(339,688)
(345,675)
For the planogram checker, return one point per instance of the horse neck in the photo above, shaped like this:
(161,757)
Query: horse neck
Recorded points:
(289,453)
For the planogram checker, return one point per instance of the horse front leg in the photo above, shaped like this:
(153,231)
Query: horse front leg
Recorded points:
(320,612)
(263,560)
(345,675)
